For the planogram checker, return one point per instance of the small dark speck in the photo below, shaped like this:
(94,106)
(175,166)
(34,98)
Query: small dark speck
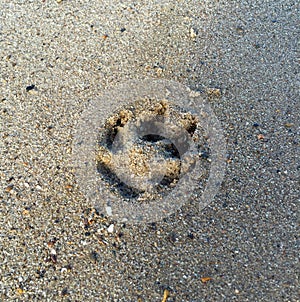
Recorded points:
(122,29)
(53,258)
(240,29)
(204,154)
(31,87)
(191,235)
(255,125)
(153,226)
(64,292)
(173,237)
(68,267)
(41,274)
(94,256)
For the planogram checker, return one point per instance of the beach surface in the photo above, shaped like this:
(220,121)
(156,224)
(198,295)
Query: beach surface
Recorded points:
(56,57)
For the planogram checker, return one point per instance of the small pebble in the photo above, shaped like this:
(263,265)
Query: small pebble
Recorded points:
(240,30)
(9,188)
(110,229)
(193,33)
(30,87)
(260,136)
(109,211)
(216,92)
(53,252)
(205,279)
(159,71)
(288,125)
(166,295)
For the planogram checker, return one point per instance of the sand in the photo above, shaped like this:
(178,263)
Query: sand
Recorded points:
(56,57)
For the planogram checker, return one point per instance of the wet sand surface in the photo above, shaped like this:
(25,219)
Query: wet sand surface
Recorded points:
(56,57)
